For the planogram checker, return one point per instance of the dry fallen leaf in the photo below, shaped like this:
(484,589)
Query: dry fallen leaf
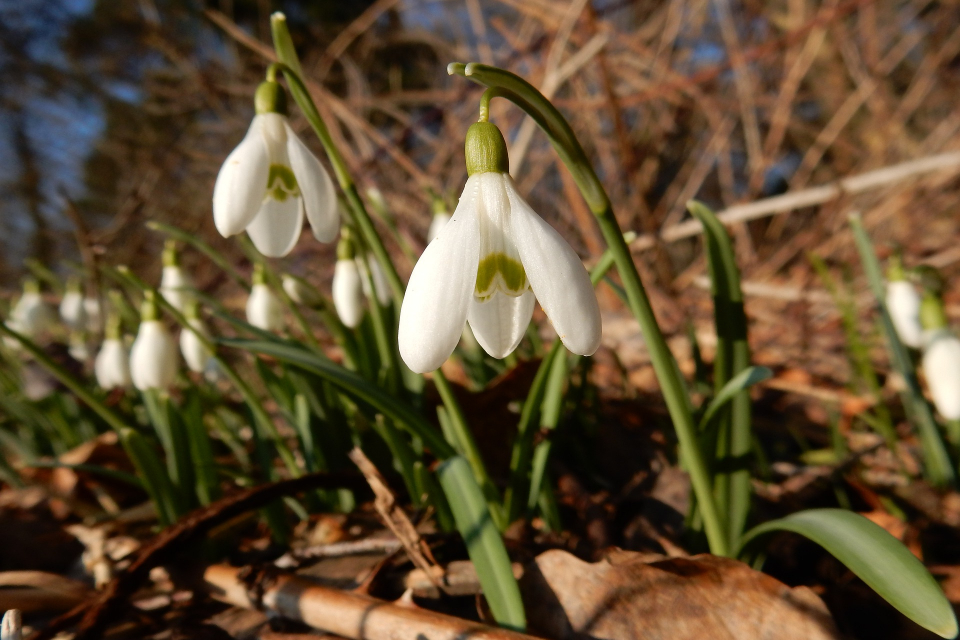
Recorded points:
(630,596)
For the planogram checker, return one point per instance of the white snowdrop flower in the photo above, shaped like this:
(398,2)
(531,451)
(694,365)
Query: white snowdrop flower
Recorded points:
(440,219)
(903,304)
(195,352)
(31,316)
(380,283)
(300,291)
(176,286)
(941,357)
(153,356)
(91,309)
(489,261)
(347,284)
(271,180)
(377,200)
(78,348)
(72,309)
(112,366)
(264,309)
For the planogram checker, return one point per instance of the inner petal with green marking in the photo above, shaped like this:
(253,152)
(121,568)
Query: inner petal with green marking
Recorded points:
(499,272)
(281,183)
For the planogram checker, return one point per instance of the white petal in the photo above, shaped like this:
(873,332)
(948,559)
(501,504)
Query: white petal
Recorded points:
(500,321)
(72,311)
(112,366)
(195,353)
(348,292)
(276,228)
(441,286)
(903,303)
(264,310)
(153,357)
(316,188)
(241,183)
(557,277)
(941,368)
(176,287)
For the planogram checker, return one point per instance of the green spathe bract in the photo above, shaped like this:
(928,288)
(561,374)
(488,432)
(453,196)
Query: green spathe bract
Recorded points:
(485,149)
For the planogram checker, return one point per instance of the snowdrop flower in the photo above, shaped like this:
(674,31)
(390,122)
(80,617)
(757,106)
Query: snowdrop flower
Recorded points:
(264,310)
(347,284)
(903,304)
(112,366)
(440,219)
(941,358)
(489,261)
(71,306)
(153,356)
(31,316)
(175,284)
(91,309)
(195,351)
(301,291)
(271,180)
(78,349)
(379,278)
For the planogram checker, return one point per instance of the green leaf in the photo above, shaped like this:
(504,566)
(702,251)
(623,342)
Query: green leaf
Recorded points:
(484,544)
(740,382)
(153,475)
(879,559)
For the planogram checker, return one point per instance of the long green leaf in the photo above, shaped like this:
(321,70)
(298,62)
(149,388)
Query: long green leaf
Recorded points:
(740,382)
(879,559)
(484,544)
(151,472)
(936,460)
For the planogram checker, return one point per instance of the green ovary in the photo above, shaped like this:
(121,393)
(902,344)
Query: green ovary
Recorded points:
(513,279)
(281,183)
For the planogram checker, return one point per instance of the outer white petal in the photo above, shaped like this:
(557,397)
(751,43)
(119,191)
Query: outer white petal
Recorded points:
(176,286)
(316,187)
(72,311)
(499,322)
(112,366)
(348,292)
(557,276)
(264,310)
(276,228)
(195,353)
(153,357)
(941,368)
(242,182)
(441,286)
(903,303)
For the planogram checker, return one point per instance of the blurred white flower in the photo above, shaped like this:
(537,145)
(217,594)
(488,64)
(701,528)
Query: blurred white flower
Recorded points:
(11,628)
(78,348)
(300,291)
(176,286)
(903,303)
(348,292)
(439,221)
(941,368)
(72,310)
(489,261)
(264,309)
(31,316)
(112,366)
(153,356)
(271,180)
(91,308)
(195,352)
(380,283)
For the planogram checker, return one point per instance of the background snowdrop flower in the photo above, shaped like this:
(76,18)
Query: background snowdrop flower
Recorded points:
(176,286)
(379,278)
(347,284)
(31,315)
(112,366)
(271,180)
(195,352)
(903,304)
(93,313)
(941,357)
(264,309)
(301,291)
(153,356)
(489,261)
(72,310)
(78,349)
(440,219)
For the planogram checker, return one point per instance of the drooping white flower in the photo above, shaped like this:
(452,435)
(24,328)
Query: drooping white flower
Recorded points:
(264,309)
(300,291)
(91,308)
(380,283)
(31,315)
(440,219)
(489,261)
(941,357)
(347,283)
(153,356)
(903,304)
(271,180)
(72,310)
(176,286)
(78,348)
(195,351)
(112,366)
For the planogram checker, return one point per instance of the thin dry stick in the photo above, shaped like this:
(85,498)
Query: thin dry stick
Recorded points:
(348,614)
(809,197)
(353,31)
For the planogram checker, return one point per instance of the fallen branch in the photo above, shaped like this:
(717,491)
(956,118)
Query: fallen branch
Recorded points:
(345,613)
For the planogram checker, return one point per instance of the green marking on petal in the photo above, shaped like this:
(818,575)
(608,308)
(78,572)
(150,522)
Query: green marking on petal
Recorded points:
(512,275)
(281,183)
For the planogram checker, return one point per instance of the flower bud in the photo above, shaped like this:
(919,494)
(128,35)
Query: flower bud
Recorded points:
(71,306)
(301,291)
(153,356)
(264,310)
(112,366)
(941,368)
(192,346)
(31,316)
(903,303)
(380,284)
(348,292)
(91,309)
(175,285)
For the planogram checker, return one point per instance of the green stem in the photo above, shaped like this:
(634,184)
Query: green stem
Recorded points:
(525,96)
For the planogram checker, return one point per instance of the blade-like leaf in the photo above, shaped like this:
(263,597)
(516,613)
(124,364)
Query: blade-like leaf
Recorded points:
(879,559)
(740,382)
(484,544)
